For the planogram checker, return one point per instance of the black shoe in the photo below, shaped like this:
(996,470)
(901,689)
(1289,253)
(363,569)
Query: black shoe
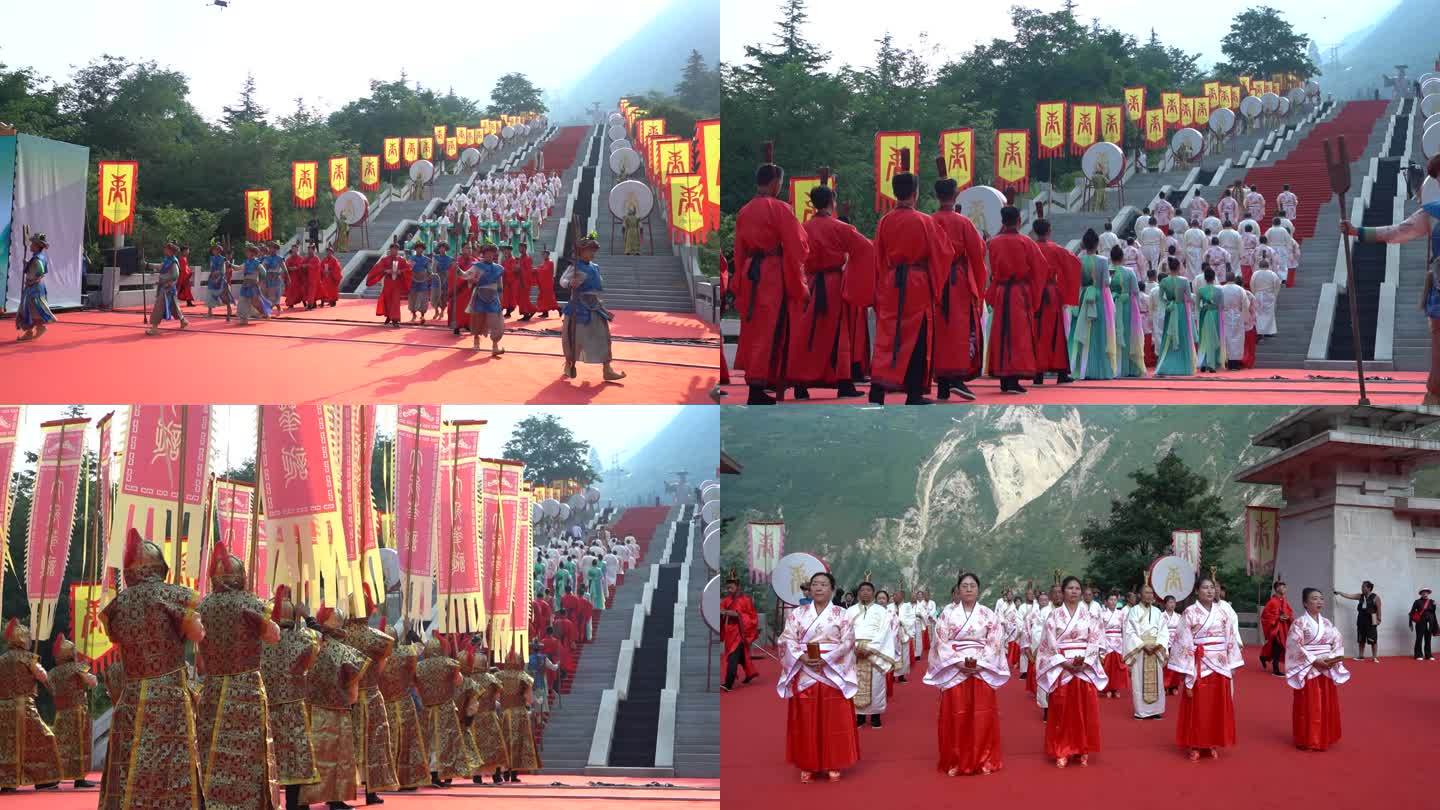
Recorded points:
(759,397)
(409,789)
(901,679)
(752,677)
(527,317)
(48,786)
(963,391)
(916,399)
(373,798)
(859,720)
(801,392)
(942,390)
(877,395)
(435,779)
(848,389)
(724,687)
(1064,379)
(338,806)
(455,332)
(479,780)
(513,776)
(84,783)
(1039,379)
(875,721)
(498,777)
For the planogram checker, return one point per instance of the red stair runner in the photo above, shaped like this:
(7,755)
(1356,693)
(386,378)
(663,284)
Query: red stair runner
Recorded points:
(560,150)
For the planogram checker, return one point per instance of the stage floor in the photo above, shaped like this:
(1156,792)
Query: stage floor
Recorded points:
(1388,713)
(344,353)
(1256,386)
(535,792)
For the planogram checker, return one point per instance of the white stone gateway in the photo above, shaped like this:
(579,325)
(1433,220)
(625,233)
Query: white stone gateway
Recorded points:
(1350,511)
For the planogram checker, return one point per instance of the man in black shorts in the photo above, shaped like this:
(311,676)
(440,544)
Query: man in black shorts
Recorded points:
(1367,619)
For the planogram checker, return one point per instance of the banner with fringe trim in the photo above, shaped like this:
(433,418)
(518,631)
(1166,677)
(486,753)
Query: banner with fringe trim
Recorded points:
(233,505)
(52,516)
(416,467)
(298,469)
(462,606)
(507,551)
(361,563)
(9,432)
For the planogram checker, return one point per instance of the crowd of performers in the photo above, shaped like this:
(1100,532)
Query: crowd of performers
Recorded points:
(325,708)
(952,302)
(839,665)
(497,208)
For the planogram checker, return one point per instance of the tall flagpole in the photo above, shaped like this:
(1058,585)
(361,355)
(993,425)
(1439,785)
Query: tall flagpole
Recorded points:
(49,530)
(255,501)
(180,494)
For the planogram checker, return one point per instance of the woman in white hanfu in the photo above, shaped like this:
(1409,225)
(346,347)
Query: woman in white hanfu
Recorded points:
(1206,651)
(1113,648)
(1034,625)
(818,678)
(1314,666)
(1147,646)
(1068,667)
(967,662)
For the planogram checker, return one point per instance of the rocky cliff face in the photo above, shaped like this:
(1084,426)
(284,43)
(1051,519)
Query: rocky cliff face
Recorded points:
(914,497)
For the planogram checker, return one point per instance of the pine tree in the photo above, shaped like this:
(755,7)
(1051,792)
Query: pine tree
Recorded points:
(248,111)
(790,46)
(697,83)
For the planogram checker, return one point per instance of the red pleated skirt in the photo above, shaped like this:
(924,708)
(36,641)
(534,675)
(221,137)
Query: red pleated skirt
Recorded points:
(1207,719)
(1012,655)
(890,684)
(1030,679)
(1116,671)
(820,730)
(1316,715)
(1072,725)
(925,643)
(969,728)
(1174,680)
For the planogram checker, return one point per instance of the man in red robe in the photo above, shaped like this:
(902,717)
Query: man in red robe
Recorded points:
(540,614)
(294,279)
(455,315)
(512,283)
(739,625)
(545,283)
(1061,290)
(555,649)
(959,336)
(770,286)
(585,617)
(328,286)
(310,277)
(526,272)
(183,287)
(820,345)
(1275,622)
(1017,276)
(566,631)
(912,262)
(395,271)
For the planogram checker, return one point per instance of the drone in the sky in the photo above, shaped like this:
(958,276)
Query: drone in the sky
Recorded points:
(220,3)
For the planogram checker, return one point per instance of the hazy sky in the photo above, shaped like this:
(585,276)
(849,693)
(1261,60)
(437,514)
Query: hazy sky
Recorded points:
(956,27)
(612,429)
(323,50)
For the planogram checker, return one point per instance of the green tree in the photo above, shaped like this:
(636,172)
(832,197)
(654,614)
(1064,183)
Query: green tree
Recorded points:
(1261,43)
(247,110)
(699,86)
(514,94)
(1166,498)
(30,103)
(550,451)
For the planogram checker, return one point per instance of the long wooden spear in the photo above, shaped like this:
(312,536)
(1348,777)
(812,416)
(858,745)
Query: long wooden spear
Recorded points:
(1339,171)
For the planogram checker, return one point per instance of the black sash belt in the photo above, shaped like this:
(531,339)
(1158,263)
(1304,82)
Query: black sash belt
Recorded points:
(752,273)
(955,267)
(901,271)
(821,301)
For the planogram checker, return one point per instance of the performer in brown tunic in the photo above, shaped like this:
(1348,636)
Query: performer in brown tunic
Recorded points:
(232,726)
(332,688)
(70,684)
(28,755)
(283,667)
(407,747)
(437,678)
(153,762)
(485,727)
(516,693)
(372,725)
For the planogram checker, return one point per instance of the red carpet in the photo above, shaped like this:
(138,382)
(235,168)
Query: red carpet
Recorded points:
(534,793)
(640,521)
(1256,386)
(344,353)
(1388,723)
(560,150)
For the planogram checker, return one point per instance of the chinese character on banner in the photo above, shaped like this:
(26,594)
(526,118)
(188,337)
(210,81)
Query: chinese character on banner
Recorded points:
(427,148)
(888,146)
(302,178)
(1262,539)
(370,172)
(800,196)
(1170,104)
(957,146)
(1201,111)
(1154,129)
(117,195)
(1186,544)
(707,134)
(766,546)
(687,206)
(392,153)
(1134,103)
(1112,127)
(1084,127)
(257,214)
(440,133)
(410,150)
(1012,159)
(1050,129)
(339,174)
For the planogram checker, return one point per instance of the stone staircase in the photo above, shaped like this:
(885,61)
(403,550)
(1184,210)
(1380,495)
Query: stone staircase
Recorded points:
(652,283)
(1412,328)
(697,709)
(572,722)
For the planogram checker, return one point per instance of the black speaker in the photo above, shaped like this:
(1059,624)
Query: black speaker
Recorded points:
(126,258)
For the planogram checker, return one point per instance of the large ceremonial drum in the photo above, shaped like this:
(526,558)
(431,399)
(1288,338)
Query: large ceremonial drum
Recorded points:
(710,511)
(1285,105)
(616,132)
(1171,576)
(1430,141)
(592,494)
(710,603)
(626,192)
(1222,120)
(620,144)
(1296,96)
(1251,106)
(351,207)
(469,156)
(1312,88)
(791,572)
(1189,138)
(537,513)
(1105,153)
(551,507)
(421,171)
(507,132)
(564,511)
(1270,101)
(709,491)
(710,548)
(1430,105)
(492,142)
(624,162)
(1430,121)
(1429,86)
(615,118)
(982,204)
